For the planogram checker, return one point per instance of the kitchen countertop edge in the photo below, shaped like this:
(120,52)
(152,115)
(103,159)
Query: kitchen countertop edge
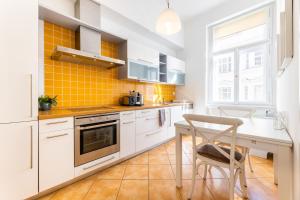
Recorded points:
(65,112)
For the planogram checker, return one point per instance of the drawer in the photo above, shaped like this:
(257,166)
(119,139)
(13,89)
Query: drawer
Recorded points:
(147,124)
(50,125)
(93,165)
(147,140)
(147,113)
(127,116)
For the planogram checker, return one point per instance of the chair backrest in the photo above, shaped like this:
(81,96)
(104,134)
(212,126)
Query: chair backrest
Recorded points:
(236,111)
(231,125)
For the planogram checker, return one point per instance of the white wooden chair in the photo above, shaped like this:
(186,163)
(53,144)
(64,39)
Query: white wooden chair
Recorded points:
(238,112)
(211,154)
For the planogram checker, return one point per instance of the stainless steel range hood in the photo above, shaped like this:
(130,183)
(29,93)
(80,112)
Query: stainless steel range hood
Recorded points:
(88,41)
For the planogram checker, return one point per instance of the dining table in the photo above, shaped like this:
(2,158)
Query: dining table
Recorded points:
(254,133)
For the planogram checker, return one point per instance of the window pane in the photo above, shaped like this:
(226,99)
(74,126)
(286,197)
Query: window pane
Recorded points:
(240,31)
(223,77)
(252,74)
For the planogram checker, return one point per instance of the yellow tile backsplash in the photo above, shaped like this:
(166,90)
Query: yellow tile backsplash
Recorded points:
(86,85)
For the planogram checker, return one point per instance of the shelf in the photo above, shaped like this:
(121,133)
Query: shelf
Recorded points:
(162,73)
(70,22)
(75,56)
(163,63)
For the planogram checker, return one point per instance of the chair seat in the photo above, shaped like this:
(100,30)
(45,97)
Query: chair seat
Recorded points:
(209,151)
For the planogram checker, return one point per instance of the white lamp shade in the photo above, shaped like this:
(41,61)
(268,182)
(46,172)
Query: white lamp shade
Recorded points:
(168,22)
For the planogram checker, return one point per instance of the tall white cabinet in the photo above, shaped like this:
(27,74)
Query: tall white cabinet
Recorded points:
(18,102)
(19,160)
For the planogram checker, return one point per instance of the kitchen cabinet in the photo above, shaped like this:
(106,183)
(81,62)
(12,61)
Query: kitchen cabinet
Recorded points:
(19,61)
(175,71)
(142,62)
(176,116)
(19,160)
(141,53)
(127,133)
(56,158)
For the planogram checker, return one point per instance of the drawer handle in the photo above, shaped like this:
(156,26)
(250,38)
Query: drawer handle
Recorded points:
(152,133)
(128,122)
(89,167)
(145,111)
(151,118)
(58,122)
(127,113)
(55,136)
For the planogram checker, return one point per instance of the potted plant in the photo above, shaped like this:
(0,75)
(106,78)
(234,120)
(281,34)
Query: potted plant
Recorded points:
(46,102)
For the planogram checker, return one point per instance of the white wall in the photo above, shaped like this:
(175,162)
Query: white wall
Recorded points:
(195,49)
(288,97)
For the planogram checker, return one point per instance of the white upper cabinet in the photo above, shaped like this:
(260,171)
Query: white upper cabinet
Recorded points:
(142,54)
(19,61)
(175,64)
(19,160)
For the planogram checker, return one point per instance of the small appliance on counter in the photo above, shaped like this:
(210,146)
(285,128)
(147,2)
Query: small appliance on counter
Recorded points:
(133,99)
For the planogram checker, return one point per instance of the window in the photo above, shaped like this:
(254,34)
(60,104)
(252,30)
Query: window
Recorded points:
(239,66)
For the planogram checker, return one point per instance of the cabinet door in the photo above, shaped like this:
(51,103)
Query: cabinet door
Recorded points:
(142,53)
(19,160)
(19,60)
(176,116)
(56,158)
(127,135)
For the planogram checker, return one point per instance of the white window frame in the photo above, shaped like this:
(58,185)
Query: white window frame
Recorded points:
(271,71)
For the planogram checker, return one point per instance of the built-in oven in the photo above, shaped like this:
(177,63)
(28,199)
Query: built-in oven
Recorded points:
(96,136)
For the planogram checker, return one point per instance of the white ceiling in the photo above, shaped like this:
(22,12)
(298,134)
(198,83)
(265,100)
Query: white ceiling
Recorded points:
(145,12)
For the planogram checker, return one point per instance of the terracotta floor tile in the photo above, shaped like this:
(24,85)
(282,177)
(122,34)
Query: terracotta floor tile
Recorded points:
(201,192)
(139,160)
(260,171)
(186,172)
(163,190)
(136,172)
(159,159)
(133,190)
(185,159)
(262,188)
(160,172)
(76,191)
(104,189)
(47,197)
(115,172)
(158,150)
(259,160)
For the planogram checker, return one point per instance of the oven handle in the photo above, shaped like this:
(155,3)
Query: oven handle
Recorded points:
(97,126)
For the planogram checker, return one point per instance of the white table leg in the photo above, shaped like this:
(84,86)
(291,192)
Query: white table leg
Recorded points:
(285,173)
(178,159)
(275,166)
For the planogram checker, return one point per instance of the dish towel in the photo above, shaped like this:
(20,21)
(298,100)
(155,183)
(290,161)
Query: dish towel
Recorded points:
(162,117)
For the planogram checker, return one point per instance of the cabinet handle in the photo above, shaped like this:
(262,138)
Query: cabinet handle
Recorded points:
(58,122)
(31,148)
(30,77)
(151,118)
(55,136)
(99,163)
(145,61)
(127,113)
(128,122)
(149,134)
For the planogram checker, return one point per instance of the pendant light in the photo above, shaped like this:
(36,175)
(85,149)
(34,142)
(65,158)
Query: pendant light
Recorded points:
(168,21)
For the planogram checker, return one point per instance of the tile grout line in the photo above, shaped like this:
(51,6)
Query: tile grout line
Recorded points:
(121,181)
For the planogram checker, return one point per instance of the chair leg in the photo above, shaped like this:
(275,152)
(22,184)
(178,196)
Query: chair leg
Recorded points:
(205,172)
(193,180)
(209,168)
(243,183)
(249,161)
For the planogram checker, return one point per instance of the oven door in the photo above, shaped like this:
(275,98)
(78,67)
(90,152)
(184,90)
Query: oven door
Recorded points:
(93,141)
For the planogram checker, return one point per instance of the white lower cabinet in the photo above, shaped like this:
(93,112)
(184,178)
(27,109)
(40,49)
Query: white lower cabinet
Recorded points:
(176,116)
(19,160)
(56,158)
(127,138)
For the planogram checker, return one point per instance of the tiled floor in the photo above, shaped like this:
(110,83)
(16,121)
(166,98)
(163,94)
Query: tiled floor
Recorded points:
(151,175)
